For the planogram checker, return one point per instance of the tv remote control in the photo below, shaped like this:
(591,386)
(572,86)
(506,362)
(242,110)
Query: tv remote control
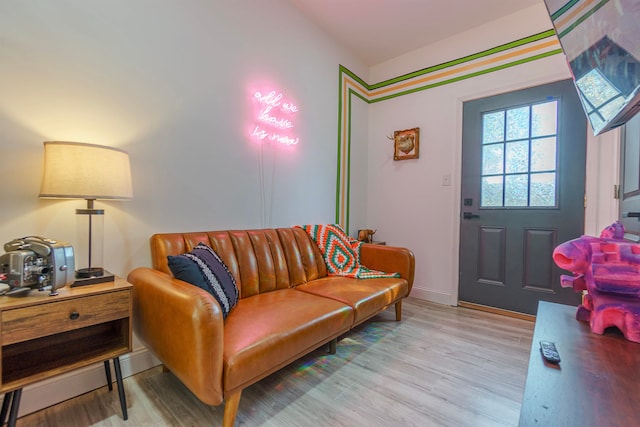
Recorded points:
(549,351)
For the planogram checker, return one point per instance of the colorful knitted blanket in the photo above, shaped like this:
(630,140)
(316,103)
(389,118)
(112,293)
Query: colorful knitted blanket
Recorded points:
(341,253)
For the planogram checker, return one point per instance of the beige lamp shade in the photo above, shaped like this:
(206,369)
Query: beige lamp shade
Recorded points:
(75,170)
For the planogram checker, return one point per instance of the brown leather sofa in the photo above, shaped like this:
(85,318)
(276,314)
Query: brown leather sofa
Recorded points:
(288,306)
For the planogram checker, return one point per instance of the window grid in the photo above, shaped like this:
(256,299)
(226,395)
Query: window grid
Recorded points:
(503,177)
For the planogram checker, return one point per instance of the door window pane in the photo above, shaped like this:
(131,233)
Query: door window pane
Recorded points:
(543,154)
(544,119)
(516,190)
(491,191)
(492,158)
(518,123)
(543,189)
(493,127)
(517,158)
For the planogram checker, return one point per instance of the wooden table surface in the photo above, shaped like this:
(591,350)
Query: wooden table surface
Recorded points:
(597,383)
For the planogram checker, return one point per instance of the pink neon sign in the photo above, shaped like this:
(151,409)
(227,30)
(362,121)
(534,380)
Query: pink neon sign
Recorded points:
(274,119)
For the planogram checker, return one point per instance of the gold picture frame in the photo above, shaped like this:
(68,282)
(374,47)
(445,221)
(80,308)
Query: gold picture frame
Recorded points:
(406,144)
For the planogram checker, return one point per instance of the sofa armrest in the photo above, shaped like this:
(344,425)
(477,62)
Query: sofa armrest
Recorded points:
(390,259)
(183,326)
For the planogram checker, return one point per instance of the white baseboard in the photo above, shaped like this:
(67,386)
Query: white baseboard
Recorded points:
(63,387)
(434,296)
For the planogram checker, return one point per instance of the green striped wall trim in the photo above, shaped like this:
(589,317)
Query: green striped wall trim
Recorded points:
(582,19)
(484,53)
(563,9)
(468,76)
(518,52)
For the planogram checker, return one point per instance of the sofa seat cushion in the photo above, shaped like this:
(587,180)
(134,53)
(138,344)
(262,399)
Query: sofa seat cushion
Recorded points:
(268,331)
(366,296)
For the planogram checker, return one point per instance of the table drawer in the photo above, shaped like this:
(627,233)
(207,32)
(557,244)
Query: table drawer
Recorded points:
(27,323)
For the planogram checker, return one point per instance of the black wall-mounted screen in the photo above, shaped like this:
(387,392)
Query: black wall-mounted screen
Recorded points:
(601,40)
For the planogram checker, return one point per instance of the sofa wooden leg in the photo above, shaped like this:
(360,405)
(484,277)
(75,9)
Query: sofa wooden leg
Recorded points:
(332,346)
(231,409)
(399,311)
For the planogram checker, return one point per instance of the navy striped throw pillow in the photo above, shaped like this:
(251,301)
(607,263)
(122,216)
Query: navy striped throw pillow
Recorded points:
(203,268)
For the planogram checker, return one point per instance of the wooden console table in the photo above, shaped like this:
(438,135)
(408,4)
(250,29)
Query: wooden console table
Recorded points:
(597,383)
(43,336)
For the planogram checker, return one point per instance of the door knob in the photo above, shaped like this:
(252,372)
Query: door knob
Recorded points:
(469,215)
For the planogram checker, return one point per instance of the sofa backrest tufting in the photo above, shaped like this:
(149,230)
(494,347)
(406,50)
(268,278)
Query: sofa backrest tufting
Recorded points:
(260,260)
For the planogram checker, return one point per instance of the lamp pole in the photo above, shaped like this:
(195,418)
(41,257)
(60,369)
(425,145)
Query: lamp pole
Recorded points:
(90,211)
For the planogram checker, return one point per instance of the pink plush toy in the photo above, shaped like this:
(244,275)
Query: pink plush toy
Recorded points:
(608,269)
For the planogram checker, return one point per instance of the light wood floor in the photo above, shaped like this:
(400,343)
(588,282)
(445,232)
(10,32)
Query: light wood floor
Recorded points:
(440,366)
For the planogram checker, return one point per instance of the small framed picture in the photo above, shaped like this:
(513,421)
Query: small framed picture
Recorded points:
(406,144)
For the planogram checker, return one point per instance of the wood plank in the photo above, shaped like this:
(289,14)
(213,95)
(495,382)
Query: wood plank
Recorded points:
(28,323)
(440,366)
(36,298)
(595,384)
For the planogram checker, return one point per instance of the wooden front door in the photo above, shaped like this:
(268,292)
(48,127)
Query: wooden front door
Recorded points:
(523,174)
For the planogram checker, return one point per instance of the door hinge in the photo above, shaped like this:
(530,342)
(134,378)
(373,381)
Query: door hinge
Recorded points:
(616,192)
(585,201)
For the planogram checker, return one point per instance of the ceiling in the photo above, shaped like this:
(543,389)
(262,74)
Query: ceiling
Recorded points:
(379,30)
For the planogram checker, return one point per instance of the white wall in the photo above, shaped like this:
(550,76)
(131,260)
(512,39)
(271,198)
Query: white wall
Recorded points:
(171,82)
(408,203)
(603,173)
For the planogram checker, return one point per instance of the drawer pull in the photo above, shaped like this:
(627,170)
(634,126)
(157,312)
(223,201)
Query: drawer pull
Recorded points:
(74,315)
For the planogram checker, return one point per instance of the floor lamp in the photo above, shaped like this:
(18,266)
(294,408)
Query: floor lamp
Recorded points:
(75,170)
